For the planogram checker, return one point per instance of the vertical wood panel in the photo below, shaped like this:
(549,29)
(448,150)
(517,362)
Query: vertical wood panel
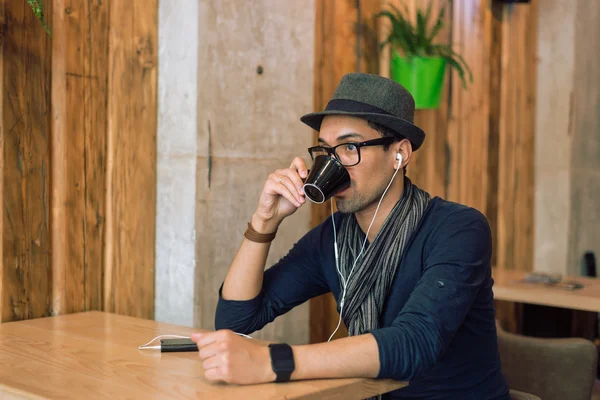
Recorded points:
(493,169)
(428,166)
(336,54)
(468,129)
(96,66)
(131,159)
(331,27)
(2,135)
(334,35)
(26,270)
(514,236)
(80,64)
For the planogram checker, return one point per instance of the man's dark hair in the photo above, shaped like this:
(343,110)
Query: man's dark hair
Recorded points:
(384,131)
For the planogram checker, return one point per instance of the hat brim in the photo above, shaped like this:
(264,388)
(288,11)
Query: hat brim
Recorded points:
(413,133)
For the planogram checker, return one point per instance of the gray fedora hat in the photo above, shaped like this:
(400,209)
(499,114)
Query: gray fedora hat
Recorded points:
(374,98)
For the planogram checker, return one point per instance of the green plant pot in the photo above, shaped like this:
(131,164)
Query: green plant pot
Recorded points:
(423,77)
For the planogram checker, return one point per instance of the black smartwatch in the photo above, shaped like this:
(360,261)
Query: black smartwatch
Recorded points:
(282,361)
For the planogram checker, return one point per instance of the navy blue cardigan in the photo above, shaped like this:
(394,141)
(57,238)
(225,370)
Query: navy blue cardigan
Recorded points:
(437,326)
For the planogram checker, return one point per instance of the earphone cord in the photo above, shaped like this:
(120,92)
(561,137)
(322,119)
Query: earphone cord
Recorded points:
(345,281)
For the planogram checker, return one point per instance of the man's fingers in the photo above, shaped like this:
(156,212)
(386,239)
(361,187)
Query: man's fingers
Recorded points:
(209,350)
(281,189)
(294,177)
(217,374)
(299,165)
(212,374)
(204,339)
(289,183)
(211,362)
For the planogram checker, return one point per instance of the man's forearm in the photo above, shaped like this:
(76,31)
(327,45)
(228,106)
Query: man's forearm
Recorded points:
(352,357)
(245,276)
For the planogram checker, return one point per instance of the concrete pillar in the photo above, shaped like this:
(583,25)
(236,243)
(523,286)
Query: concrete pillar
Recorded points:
(255,81)
(176,169)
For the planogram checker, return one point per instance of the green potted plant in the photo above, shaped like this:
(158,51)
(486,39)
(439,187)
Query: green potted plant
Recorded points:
(417,63)
(38,10)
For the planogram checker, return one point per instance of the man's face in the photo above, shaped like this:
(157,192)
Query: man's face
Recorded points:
(371,175)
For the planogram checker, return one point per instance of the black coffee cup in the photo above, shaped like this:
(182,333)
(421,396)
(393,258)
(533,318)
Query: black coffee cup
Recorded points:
(327,177)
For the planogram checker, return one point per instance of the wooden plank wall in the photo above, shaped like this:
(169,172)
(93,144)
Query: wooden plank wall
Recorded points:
(80,32)
(26,274)
(516,156)
(479,146)
(78,127)
(131,158)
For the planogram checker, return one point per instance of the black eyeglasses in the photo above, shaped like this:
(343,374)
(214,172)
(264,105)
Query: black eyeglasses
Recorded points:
(348,153)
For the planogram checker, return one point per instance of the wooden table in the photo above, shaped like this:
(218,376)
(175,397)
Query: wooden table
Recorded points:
(95,355)
(507,287)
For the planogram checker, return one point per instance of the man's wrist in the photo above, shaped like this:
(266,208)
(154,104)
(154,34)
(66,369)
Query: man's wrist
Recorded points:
(263,226)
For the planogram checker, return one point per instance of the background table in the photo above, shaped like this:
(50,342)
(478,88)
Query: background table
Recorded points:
(95,355)
(507,287)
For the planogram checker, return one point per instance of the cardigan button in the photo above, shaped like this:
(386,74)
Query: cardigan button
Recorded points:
(440,284)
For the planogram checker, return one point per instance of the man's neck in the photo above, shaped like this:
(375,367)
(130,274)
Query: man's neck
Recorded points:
(364,217)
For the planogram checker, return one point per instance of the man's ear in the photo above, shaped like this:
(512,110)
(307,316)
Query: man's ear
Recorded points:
(404,148)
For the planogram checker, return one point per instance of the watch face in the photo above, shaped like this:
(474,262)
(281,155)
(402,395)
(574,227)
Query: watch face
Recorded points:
(282,360)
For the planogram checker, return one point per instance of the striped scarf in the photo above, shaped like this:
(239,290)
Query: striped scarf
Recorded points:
(373,275)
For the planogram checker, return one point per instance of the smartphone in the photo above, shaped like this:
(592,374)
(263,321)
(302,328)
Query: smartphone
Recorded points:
(568,285)
(177,345)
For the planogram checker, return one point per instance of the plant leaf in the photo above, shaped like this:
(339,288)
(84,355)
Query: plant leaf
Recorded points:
(456,61)
(439,24)
(405,30)
(38,10)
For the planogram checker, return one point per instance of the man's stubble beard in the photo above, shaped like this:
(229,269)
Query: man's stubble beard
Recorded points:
(357,201)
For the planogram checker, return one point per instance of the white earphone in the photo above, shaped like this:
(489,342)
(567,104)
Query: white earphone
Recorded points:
(344,281)
(399,158)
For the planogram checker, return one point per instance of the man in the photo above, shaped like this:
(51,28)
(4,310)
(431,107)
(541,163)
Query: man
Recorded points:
(414,283)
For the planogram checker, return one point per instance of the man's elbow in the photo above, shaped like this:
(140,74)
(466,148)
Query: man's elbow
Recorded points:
(237,325)
(240,323)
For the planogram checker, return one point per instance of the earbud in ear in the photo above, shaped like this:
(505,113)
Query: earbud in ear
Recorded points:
(399,158)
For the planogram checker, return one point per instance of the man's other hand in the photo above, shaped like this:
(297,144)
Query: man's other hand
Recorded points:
(230,358)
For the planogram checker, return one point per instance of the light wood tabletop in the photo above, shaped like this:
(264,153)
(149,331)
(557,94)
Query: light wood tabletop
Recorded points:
(507,286)
(95,355)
